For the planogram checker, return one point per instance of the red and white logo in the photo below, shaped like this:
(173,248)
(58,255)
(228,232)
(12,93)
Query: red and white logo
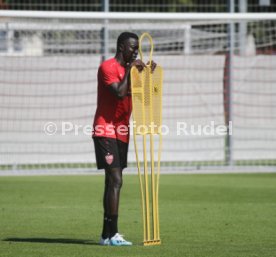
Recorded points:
(109,158)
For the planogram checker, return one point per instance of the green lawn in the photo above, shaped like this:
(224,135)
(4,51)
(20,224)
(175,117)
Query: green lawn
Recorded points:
(200,216)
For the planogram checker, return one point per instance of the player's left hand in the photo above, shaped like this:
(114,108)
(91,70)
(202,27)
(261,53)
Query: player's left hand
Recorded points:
(153,65)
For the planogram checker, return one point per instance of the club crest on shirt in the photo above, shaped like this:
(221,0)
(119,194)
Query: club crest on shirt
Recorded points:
(109,158)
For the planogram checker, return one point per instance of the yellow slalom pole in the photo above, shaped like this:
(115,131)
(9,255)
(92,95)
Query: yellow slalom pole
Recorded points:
(153,189)
(158,164)
(146,187)
(157,186)
(141,184)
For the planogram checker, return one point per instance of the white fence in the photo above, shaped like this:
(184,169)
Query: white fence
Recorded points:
(218,67)
(39,90)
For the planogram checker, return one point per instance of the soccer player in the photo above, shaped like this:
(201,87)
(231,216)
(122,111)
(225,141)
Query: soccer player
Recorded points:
(111,128)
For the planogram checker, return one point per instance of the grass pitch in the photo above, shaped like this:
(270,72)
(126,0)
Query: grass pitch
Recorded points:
(200,216)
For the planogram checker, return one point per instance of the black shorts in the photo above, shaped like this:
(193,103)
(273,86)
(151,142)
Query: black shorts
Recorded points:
(110,153)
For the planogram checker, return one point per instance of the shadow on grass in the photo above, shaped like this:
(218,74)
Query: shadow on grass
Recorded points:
(51,240)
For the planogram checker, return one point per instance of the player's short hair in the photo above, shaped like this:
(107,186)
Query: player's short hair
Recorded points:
(125,36)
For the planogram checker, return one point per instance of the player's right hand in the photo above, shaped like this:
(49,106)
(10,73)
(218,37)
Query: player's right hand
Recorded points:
(138,64)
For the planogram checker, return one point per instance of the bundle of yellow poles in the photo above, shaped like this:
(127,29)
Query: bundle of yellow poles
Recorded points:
(146,90)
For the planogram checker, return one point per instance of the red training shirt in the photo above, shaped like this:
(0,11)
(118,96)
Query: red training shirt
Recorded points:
(112,114)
